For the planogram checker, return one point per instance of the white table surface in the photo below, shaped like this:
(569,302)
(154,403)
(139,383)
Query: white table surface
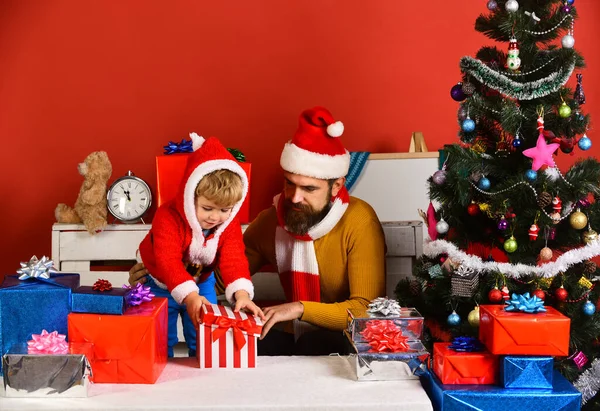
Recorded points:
(278,383)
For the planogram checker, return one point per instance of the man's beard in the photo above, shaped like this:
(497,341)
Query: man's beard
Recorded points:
(301,220)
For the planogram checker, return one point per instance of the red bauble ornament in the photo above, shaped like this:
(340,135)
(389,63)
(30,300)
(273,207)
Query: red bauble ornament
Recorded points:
(495,295)
(561,294)
(473,209)
(539,294)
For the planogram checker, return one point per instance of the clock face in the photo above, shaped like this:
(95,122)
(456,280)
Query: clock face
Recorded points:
(129,198)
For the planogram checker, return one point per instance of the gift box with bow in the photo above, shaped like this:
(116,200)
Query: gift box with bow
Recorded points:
(129,348)
(47,366)
(31,303)
(169,172)
(464,367)
(521,333)
(448,397)
(100,299)
(526,372)
(407,319)
(227,339)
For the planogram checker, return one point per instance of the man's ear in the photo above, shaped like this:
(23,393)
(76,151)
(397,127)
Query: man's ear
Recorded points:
(337,186)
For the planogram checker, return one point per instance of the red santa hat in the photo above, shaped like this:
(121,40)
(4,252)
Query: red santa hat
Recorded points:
(315,150)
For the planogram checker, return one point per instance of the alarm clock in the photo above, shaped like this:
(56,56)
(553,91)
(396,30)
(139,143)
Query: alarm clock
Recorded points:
(129,198)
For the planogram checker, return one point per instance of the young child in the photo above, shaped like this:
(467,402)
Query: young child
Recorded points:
(195,233)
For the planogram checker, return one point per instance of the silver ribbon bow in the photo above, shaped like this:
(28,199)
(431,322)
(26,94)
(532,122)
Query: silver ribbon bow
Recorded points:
(35,268)
(385,306)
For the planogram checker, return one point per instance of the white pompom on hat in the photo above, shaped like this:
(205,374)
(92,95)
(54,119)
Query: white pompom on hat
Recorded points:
(316,150)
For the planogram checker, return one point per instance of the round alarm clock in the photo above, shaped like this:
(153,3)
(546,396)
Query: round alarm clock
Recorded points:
(129,198)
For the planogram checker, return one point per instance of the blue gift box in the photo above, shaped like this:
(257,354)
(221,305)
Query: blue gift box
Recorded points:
(563,396)
(518,371)
(88,300)
(32,305)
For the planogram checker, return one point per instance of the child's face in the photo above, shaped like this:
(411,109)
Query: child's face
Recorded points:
(210,214)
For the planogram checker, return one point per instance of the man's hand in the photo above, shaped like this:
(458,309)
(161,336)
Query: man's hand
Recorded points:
(242,300)
(137,274)
(193,303)
(279,313)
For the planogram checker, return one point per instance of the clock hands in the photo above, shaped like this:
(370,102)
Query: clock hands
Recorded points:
(127,194)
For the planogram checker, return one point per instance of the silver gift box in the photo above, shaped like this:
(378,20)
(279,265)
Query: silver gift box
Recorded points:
(47,375)
(388,366)
(409,320)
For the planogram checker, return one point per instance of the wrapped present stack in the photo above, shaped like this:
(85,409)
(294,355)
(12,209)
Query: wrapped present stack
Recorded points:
(227,339)
(386,340)
(52,331)
(511,366)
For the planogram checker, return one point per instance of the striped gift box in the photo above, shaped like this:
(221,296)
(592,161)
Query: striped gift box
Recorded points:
(227,339)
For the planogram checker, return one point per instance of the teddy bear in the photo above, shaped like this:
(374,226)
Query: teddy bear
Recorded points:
(90,207)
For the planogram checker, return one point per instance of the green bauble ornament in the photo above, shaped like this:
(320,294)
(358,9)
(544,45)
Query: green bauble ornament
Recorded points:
(510,245)
(564,110)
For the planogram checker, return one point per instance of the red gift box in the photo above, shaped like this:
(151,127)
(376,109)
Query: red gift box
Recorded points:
(227,339)
(129,348)
(454,367)
(506,332)
(169,172)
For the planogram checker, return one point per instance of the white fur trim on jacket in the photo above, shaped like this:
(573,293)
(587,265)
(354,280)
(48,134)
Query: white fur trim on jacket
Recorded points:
(183,290)
(199,252)
(307,163)
(237,285)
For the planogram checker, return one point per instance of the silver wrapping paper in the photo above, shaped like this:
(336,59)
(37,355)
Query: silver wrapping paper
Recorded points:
(409,320)
(374,366)
(46,375)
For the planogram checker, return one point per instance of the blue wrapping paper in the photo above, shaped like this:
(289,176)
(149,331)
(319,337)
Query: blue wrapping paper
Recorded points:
(518,371)
(29,306)
(88,300)
(563,396)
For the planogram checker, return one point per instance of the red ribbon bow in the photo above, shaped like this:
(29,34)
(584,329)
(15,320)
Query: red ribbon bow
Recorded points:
(385,336)
(102,285)
(238,326)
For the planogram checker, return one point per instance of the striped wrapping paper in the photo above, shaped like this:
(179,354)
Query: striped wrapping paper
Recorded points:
(217,346)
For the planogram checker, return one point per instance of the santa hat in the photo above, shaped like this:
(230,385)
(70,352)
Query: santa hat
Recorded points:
(315,150)
(209,155)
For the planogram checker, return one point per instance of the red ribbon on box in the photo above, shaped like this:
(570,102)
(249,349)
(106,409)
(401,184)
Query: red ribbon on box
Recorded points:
(238,326)
(385,336)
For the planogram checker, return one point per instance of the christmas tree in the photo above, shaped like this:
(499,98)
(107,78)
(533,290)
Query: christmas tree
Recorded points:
(506,219)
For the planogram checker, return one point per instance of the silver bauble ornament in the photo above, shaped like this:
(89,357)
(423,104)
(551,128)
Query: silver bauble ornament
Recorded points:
(568,41)
(442,227)
(512,6)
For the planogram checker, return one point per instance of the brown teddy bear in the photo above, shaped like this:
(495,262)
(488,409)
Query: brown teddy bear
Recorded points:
(90,207)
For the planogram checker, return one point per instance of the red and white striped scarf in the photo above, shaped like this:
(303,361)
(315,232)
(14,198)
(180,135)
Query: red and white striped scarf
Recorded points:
(296,258)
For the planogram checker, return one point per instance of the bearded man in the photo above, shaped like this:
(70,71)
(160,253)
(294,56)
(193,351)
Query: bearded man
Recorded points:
(328,247)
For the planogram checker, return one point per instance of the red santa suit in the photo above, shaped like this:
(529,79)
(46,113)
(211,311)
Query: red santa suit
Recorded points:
(176,236)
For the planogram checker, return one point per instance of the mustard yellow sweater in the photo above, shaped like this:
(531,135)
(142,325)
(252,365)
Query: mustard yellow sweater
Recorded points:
(351,260)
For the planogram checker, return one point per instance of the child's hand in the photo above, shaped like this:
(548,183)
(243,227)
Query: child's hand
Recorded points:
(242,300)
(193,303)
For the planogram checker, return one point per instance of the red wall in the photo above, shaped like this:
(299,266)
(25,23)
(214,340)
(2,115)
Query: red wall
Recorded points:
(127,76)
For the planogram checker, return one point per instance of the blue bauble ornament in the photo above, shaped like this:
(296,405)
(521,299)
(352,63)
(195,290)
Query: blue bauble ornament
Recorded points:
(531,175)
(468,125)
(453,319)
(484,183)
(585,143)
(570,2)
(516,143)
(588,309)
(457,93)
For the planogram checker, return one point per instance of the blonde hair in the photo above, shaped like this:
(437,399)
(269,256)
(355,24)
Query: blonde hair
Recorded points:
(222,187)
